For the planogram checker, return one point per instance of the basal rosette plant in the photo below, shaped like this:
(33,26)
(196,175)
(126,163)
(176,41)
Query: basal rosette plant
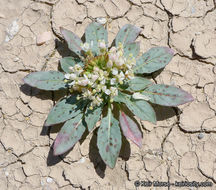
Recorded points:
(97,78)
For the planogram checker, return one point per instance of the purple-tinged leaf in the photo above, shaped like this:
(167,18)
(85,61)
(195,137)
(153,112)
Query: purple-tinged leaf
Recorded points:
(70,133)
(93,33)
(130,129)
(127,34)
(153,60)
(109,139)
(140,108)
(167,95)
(46,80)
(73,41)
(65,109)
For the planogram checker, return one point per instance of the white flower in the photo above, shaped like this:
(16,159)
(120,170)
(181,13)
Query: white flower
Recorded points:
(114,71)
(102,44)
(85,46)
(104,88)
(73,76)
(67,76)
(94,77)
(78,69)
(71,68)
(121,75)
(101,20)
(105,73)
(128,66)
(109,64)
(113,49)
(113,57)
(107,91)
(70,76)
(72,83)
(137,95)
(86,94)
(99,87)
(120,62)
(83,82)
(96,69)
(103,81)
(113,81)
(114,91)
(85,76)
(119,54)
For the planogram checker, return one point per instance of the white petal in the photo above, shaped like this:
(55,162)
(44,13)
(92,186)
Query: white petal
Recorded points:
(94,77)
(140,96)
(107,91)
(103,81)
(101,20)
(67,76)
(115,71)
(109,64)
(72,83)
(113,81)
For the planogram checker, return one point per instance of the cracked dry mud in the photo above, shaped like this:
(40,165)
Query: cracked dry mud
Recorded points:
(182,144)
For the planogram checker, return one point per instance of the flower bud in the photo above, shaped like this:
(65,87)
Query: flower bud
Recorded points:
(114,71)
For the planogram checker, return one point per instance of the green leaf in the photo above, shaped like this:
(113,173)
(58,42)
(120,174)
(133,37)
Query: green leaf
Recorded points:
(65,109)
(46,80)
(73,41)
(138,83)
(92,117)
(67,62)
(127,34)
(109,139)
(132,48)
(140,108)
(167,95)
(70,133)
(93,33)
(130,129)
(121,97)
(153,60)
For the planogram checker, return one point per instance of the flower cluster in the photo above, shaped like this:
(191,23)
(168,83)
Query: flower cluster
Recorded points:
(102,75)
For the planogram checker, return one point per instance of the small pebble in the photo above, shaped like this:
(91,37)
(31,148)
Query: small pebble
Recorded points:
(82,160)
(6,173)
(101,20)
(49,180)
(2,15)
(12,30)
(16,59)
(44,37)
(169,158)
(200,136)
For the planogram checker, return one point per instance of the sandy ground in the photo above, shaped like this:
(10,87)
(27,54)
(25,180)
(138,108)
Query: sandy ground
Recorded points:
(182,144)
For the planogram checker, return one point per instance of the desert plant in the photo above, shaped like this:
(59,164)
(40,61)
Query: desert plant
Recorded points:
(96,78)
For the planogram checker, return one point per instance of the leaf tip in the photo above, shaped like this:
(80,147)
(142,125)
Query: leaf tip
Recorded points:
(189,98)
(139,144)
(25,80)
(169,51)
(62,29)
(56,147)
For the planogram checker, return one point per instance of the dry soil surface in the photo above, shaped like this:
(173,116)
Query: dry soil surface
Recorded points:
(181,147)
